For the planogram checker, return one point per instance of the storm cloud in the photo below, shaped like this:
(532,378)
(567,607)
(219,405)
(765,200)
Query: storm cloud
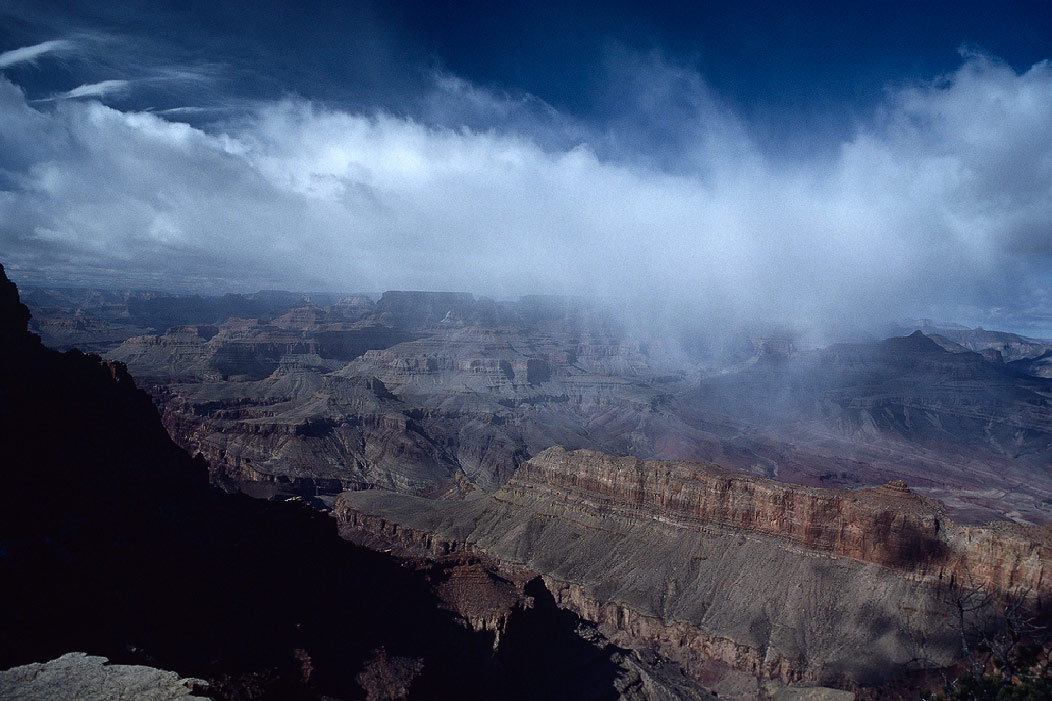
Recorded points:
(939,203)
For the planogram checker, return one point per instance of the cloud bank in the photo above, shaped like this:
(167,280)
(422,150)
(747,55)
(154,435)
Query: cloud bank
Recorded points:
(940,204)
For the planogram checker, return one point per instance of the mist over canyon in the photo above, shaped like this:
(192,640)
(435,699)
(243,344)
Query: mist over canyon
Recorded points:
(432,393)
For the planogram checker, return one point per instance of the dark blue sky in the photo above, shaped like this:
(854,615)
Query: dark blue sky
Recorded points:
(764,55)
(802,62)
(801,161)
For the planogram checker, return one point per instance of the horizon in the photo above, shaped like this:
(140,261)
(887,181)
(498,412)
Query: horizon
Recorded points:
(888,328)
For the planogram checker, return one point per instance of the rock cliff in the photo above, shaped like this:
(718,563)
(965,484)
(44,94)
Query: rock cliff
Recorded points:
(467,398)
(730,574)
(956,426)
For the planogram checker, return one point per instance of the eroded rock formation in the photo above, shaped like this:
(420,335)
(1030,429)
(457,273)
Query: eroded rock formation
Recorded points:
(444,394)
(470,388)
(729,574)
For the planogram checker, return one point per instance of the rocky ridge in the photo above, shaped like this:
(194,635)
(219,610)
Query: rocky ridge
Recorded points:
(454,411)
(1011,347)
(888,525)
(736,577)
(972,433)
(441,394)
(732,576)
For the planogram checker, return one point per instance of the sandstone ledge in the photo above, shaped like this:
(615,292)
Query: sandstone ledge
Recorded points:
(726,573)
(889,525)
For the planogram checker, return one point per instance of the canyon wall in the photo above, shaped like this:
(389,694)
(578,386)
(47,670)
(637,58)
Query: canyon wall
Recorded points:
(887,525)
(727,574)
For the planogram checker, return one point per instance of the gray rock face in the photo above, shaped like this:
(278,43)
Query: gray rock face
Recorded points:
(461,407)
(973,433)
(1041,366)
(77,675)
(454,409)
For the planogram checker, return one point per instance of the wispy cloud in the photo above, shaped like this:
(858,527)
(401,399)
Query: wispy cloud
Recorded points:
(107,65)
(121,87)
(29,54)
(94,90)
(181,110)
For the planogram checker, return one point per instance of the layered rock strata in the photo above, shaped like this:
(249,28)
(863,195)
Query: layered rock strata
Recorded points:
(437,416)
(725,573)
(480,386)
(888,525)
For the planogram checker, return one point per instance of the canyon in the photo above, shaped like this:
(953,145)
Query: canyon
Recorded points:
(740,513)
(113,544)
(439,394)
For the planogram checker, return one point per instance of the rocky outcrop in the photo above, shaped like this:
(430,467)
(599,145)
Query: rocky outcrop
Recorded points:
(970,432)
(1039,366)
(456,411)
(310,435)
(1010,347)
(247,350)
(65,330)
(478,401)
(724,573)
(77,675)
(400,308)
(484,385)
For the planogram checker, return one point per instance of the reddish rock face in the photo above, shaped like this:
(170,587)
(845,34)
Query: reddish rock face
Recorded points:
(888,525)
(884,525)
(724,573)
